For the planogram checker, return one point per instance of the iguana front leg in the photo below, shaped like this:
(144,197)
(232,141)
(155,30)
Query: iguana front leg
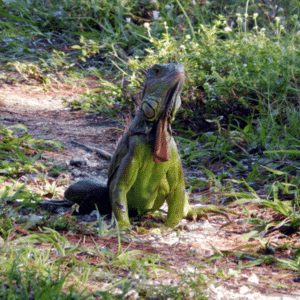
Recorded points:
(121,183)
(179,208)
(177,199)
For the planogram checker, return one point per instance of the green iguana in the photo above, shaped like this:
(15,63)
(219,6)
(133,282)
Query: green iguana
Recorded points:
(146,169)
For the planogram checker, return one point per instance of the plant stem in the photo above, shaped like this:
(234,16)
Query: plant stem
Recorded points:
(187,19)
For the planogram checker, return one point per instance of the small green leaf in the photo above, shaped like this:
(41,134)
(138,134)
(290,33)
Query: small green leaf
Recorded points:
(274,171)
(208,173)
(292,152)
(297,2)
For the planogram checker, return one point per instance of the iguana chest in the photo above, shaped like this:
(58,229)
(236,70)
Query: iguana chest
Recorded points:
(152,186)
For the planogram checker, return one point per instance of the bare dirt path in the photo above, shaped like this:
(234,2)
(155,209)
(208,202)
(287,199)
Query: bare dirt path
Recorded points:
(40,109)
(45,116)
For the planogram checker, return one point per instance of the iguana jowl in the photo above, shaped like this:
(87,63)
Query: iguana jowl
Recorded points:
(146,169)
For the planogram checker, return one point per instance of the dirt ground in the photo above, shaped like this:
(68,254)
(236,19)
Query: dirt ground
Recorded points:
(40,109)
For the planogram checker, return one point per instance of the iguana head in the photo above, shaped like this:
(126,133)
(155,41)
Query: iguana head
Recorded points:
(160,102)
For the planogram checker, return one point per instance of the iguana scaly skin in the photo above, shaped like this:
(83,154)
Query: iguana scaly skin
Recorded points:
(146,169)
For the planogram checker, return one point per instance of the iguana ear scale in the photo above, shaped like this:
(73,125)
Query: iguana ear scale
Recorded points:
(149,108)
(162,150)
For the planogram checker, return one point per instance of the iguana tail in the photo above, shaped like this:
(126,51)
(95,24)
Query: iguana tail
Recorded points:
(88,193)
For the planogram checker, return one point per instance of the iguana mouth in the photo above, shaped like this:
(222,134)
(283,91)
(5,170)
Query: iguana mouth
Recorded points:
(171,98)
(162,150)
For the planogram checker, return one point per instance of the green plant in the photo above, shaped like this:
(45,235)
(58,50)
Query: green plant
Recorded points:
(18,191)
(27,272)
(20,154)
(288,220)
(51,189)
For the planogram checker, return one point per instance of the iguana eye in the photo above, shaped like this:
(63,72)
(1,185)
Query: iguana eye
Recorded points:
(156,70)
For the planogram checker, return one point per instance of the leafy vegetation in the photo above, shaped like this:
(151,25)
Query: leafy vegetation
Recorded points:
(240,109)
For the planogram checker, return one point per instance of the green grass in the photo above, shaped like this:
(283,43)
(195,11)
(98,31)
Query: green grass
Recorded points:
(240,108)
(20,155)
(29,272)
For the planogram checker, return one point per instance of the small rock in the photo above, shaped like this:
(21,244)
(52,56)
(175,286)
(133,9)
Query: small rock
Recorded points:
(132,294)
(76,173)
(156,231)
(166,282)
(191,269)
(61,210)
(137,276)
(232,272)
(78,161)
(93,165)
(35,219)
(218,292)
(207,225)
(194,226)
(171,241)
(244,290)
(102,179)
(208,253)
(156,245)
(86,175)
(151,282)
(253,279)
(197,250)
(28,177)
(116,291)
(183,222)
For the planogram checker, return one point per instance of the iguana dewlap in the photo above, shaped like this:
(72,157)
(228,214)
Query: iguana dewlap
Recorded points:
(145,169)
